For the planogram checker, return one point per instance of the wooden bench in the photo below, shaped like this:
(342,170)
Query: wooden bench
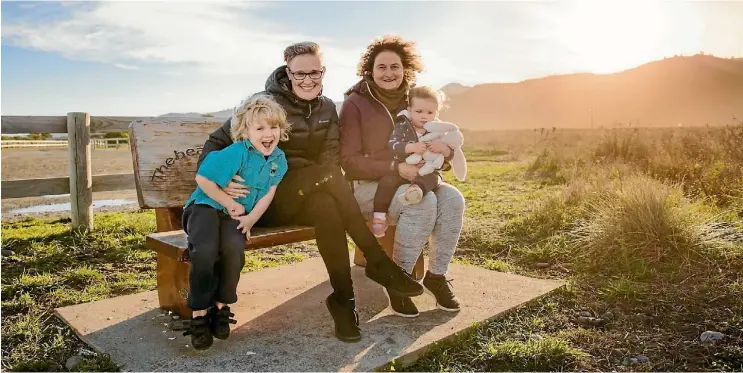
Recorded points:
(165,153)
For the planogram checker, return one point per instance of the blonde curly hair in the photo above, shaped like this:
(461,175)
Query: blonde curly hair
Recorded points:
(258,106)
(429,93)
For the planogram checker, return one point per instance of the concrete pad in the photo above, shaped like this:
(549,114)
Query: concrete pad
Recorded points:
(283,324)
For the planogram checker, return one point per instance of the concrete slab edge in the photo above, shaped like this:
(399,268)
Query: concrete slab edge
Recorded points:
(413,356)
(78,334)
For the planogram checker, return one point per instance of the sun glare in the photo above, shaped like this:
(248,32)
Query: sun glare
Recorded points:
(605,37)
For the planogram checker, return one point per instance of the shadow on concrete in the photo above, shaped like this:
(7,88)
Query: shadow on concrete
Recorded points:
(295,335)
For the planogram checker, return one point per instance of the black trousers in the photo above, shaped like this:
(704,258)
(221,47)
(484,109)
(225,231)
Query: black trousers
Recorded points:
(320,197)
(217,252)
(388,186)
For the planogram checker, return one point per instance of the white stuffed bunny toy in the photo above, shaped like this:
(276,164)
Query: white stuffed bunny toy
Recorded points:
(450,135)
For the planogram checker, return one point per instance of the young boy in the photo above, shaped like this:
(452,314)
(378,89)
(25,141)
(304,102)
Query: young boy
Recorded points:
(424,104)
(218,226)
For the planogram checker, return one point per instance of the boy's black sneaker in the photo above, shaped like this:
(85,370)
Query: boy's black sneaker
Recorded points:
(201,336)
(345,317)
(388,274)
(220,321)
(440,288)
(402,306)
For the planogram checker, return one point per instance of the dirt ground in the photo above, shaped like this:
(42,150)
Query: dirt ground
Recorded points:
(39,163)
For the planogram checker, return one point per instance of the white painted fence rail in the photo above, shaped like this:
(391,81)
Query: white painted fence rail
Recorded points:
(33,143)
(110,143)
(96,143)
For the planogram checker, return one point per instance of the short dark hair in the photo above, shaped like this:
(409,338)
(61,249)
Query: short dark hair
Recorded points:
(298,49)
(411,61)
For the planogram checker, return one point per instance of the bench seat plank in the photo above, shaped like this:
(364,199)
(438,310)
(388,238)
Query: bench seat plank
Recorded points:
(174,243)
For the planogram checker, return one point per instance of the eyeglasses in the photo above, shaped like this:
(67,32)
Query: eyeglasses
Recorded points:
(314,74)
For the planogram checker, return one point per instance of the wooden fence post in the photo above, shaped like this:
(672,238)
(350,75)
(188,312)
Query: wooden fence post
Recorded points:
(81,179)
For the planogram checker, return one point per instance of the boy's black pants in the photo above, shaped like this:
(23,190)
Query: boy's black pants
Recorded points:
(217,250)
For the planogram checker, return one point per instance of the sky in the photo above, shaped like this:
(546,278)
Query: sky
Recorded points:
(150,58)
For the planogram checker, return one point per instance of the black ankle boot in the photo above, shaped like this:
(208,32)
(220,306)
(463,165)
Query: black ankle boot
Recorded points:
(388,274)
(345,317)
(220,322)
(201,336)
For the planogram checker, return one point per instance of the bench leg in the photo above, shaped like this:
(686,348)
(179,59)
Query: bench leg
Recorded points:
(388,244)
(419,269)
(172,275)
(172,285)
(168,219)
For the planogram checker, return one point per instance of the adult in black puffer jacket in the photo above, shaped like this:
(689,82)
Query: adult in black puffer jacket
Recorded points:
(314,191)
(314,136)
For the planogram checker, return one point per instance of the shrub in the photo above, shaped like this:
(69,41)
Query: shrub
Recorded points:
(643,225)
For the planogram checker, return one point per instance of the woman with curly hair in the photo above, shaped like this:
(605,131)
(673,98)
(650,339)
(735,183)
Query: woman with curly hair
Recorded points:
(388,69)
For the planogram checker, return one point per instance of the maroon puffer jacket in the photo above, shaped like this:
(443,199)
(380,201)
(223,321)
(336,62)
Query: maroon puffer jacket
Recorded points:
(366,126)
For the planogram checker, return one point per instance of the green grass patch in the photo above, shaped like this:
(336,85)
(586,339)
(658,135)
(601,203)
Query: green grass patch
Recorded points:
(542,354)
(52,267)
(256,260)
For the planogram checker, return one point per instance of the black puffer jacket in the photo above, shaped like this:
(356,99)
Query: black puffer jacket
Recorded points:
(314,137)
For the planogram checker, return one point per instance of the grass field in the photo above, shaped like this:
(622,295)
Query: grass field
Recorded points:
(646,226)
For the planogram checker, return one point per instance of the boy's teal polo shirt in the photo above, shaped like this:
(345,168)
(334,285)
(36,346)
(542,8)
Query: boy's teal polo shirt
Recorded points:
(241,158)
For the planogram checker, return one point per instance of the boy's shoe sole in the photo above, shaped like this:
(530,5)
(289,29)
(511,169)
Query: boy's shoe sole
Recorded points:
(335,332)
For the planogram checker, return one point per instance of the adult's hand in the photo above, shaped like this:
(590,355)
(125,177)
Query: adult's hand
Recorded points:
(236,190)
(408,171)
(235,209)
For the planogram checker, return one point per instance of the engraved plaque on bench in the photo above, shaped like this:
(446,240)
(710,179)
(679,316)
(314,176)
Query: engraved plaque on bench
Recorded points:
(165,153)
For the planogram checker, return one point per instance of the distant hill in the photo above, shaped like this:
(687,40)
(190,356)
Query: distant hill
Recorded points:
(217,114)
(688,91)
(454,89)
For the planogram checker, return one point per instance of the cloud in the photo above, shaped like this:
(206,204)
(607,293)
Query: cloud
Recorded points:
(126,67)
(216,38)
(228,39)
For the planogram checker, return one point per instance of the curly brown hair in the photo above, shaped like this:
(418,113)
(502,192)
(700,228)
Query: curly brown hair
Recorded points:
(411,60)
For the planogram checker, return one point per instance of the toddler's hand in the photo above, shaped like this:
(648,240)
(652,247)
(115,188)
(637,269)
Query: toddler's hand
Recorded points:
(439,147)
(416,148)
(246,223)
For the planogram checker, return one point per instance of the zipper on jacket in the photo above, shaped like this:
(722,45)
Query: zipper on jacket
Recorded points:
(310,125)
(380,102)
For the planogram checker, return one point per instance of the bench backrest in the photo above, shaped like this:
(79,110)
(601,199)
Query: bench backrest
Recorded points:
(165,153)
